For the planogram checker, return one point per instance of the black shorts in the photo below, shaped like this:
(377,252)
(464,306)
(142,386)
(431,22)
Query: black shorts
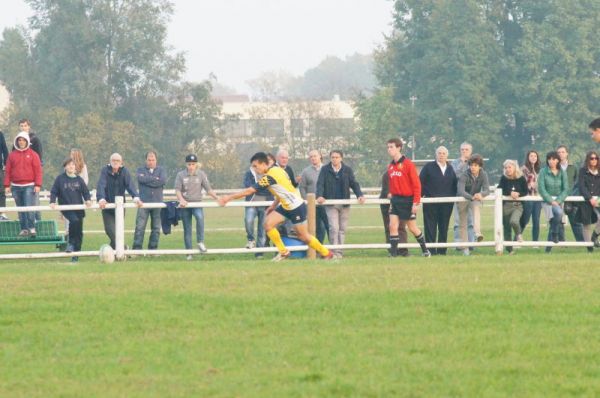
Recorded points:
(296,216)
(401,206)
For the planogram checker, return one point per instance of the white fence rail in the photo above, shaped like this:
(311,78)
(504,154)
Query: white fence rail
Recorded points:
(498,242)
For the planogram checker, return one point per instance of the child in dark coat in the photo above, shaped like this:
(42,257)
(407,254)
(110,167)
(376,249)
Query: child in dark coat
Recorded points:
(70,189)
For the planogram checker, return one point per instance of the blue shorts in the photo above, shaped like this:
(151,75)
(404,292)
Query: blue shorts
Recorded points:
(296,216)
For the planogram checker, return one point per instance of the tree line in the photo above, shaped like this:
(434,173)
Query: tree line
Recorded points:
(504,75)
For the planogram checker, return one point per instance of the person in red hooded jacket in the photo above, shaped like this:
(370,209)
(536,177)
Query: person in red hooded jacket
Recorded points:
(23,176)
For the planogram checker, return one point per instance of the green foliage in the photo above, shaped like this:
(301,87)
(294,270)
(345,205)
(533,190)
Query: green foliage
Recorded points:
(503,75)
(98,75)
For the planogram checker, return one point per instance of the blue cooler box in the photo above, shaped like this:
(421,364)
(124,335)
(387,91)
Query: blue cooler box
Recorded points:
(294,242)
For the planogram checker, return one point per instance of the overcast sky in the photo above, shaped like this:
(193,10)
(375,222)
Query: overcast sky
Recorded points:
(238,39)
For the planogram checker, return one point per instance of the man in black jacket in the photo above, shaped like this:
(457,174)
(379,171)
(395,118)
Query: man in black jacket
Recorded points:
(3,157)
(437,180)
(114,181)
(334,182)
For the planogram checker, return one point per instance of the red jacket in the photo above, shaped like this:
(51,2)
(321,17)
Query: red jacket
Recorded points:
(404,180)
(23,167)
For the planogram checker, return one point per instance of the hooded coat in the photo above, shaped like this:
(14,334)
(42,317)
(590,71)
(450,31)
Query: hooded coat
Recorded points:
(23,166)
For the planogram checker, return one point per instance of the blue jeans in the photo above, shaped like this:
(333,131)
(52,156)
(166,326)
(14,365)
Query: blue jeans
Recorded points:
(186,218)
(250,214)
(555,224)
(25,196)
(140,228)
(556,220)
(532,210)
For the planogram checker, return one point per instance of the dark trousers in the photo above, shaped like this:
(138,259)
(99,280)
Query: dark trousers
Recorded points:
(108,218)
(75,229)
(436,217)
(2,194)
(141,221)
(322,224)
(402,236)
(576,227)
(532,210)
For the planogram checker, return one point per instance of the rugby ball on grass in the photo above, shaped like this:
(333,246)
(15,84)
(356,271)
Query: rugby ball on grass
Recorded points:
(106,254)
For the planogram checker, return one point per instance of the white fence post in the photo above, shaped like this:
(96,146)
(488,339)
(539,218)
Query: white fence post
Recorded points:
(498,226)
(119,228)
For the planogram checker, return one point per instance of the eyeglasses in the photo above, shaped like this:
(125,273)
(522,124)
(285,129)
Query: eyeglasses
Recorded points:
(593,158)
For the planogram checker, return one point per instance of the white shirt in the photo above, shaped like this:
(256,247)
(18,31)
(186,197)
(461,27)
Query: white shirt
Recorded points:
(442,167)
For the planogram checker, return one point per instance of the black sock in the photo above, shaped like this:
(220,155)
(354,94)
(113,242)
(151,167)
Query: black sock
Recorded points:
(421,240)
(394,239)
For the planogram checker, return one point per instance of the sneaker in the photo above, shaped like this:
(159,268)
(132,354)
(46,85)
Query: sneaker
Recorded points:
(283,256)
(479,238)
(189,257)
(74,259)
(3,217)
(24,232)
(466,252)
(250,244)
(32,232)
(403,253)
(519,238)
(427,253)
(201,247)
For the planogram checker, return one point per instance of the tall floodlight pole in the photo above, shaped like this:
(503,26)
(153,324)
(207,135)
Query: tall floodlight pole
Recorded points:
(412,99)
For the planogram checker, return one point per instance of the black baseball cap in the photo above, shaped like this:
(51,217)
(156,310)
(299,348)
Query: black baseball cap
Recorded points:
(191,158)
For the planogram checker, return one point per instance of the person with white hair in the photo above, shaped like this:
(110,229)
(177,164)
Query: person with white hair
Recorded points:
(438,180)
(514,185)
(114,180)
(283,158)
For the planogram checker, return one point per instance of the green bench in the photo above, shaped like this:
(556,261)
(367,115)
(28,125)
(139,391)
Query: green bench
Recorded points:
(47,234)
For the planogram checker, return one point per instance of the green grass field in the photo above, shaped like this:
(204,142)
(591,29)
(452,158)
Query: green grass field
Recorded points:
(484,325)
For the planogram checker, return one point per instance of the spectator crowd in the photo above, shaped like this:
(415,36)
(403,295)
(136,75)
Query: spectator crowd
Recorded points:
(271,179)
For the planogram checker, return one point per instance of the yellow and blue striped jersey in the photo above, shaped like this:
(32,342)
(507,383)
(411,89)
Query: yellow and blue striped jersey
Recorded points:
(278,183)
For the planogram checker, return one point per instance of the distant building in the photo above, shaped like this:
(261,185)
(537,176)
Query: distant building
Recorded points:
(296,125)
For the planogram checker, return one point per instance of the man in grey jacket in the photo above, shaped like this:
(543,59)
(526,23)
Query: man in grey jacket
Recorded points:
(151,181)
(308,184)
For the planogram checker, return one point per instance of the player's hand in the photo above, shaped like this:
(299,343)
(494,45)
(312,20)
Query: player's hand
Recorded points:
(52,205)
(594,202)
(139,203)
(102,203)
(361,200)
(415,209)
(320,200)
(88,203)
(477,196)
(7,190)
(183,203)
(37,189)
(514,195)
